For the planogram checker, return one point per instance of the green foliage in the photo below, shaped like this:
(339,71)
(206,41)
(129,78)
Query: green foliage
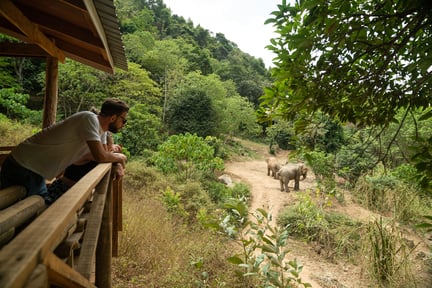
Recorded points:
(323,166)
(356,157)
(192,111)
(172,201)
(12,103)
(427,225)
(282,133)
(263,254)
(305,219)
(334,234)
(387,193)
(238,119)
(80,88)
(6,76)
(355,60)
(422,152)
(361,62)
(187,155)
(142,131)
(194,198)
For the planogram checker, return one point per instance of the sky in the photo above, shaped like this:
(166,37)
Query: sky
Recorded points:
(241,21)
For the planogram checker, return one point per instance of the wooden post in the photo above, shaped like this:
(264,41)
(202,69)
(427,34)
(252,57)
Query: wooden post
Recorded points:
(51,92)
(117,213)
(104,248)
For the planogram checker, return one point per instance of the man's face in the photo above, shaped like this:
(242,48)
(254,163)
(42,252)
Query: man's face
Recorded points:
(118,123)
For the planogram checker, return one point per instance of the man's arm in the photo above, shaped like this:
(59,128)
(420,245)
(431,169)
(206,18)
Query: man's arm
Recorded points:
(102,156)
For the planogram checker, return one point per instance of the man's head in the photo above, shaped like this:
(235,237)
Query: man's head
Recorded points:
(117,111)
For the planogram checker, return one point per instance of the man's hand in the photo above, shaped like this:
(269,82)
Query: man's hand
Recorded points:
(118,171)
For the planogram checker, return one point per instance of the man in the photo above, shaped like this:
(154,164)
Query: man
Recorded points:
(48,153)
(76,171)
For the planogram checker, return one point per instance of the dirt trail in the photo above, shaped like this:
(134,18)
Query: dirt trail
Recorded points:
(265,190)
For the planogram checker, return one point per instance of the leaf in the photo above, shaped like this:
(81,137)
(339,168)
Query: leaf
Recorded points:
(426,115)
(235,260)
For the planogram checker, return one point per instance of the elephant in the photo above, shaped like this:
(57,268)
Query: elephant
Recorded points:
(273,166)
(289,172)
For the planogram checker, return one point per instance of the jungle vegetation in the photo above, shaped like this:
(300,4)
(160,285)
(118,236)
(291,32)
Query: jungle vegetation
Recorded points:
(348,92)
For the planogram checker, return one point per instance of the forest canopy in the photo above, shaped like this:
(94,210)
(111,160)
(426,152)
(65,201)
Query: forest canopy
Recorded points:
(359,61)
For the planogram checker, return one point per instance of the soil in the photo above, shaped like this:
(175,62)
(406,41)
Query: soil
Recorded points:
(318,270)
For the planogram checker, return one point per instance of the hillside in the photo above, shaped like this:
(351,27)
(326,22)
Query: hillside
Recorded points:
(318,270)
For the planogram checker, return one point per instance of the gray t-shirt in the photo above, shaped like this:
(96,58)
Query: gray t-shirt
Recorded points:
(50,151)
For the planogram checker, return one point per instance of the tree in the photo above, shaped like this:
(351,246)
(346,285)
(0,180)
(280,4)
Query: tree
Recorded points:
(360,61)
(192,111)
(357,61)
(80,88)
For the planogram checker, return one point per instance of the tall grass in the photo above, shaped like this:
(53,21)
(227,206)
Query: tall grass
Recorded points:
(13,132)
(387,256)
(158,250)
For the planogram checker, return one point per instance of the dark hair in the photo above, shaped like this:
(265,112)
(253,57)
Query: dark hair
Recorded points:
(113,107)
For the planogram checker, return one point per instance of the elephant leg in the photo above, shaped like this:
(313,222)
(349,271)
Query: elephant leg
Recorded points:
(281,184)
(297,183)
(286,185)
(268,171)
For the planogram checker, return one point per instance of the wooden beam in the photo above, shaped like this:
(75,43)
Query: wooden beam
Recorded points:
(11,195)
(62,275)
(20,213)
(16,17)
(93,227)
(103,270)
(9,49)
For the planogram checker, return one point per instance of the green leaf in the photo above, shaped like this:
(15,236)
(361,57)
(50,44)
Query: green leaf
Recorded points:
(235,260)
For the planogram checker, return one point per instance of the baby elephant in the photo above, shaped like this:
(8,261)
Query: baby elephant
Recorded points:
(291,172)
(272,166)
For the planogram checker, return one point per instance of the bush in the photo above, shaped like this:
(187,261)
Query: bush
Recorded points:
(386,194)
(188,156)
(335,234)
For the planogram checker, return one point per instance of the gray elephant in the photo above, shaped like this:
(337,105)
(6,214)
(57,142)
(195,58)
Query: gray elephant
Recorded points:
(289,172)
(273,166)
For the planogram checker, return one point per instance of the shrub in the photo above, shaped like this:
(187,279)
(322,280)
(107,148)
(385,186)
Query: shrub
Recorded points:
(188,156)
(386,194)
(335,234)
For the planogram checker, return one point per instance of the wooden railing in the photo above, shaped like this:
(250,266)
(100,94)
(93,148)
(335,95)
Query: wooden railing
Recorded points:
(70,243)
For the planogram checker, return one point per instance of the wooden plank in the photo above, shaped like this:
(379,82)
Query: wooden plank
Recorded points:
(15,16)
(39,278)
(91,234)
(20,213)
(115,218)
(20,257)
(120,205)
(6,236)
(104,248)
(62,275)
(11,195)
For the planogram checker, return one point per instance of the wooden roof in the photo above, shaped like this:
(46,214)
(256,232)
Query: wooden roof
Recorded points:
(86,31)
